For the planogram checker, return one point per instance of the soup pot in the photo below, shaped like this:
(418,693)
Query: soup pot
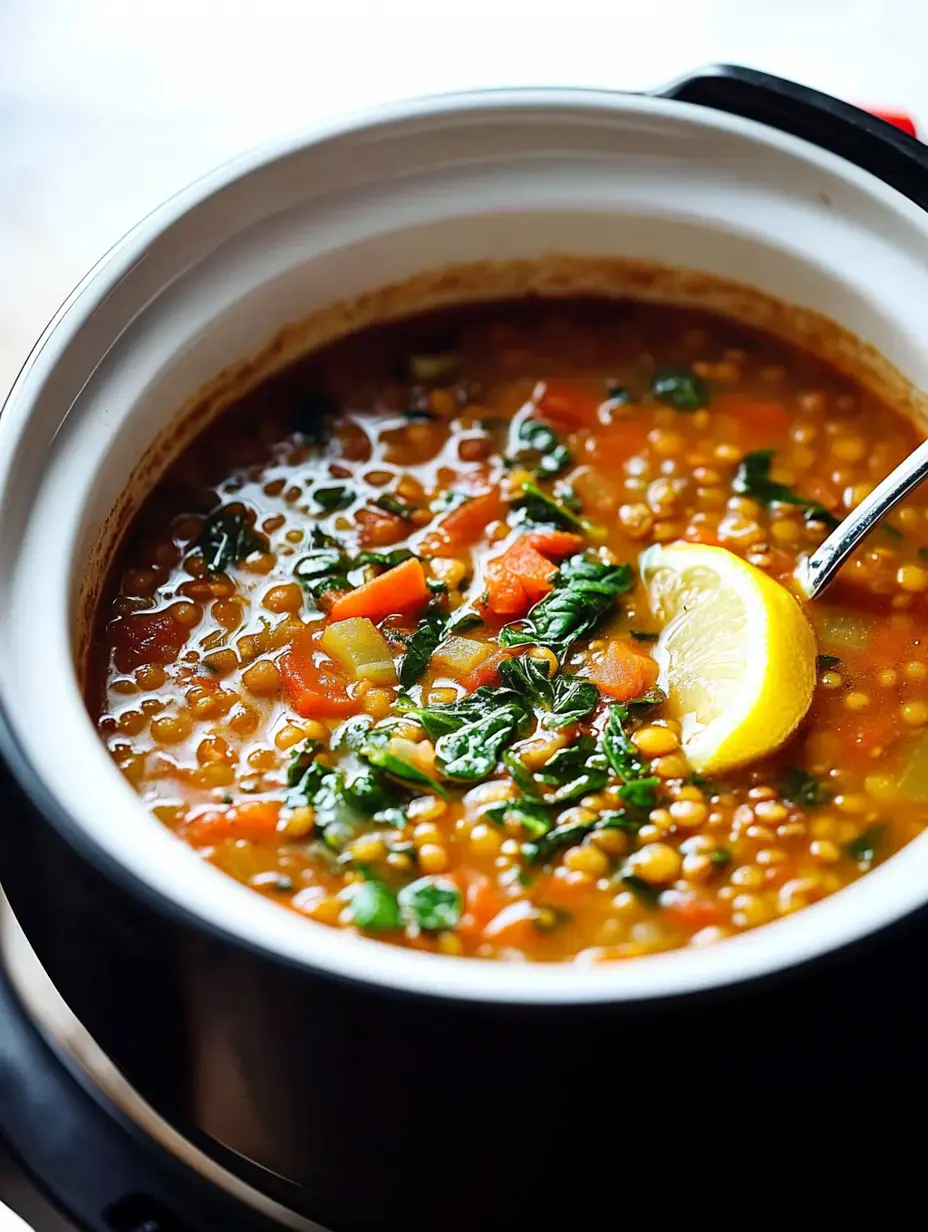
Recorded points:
(313,1074)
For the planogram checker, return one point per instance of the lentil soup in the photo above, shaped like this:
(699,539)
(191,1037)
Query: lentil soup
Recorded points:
(377,646)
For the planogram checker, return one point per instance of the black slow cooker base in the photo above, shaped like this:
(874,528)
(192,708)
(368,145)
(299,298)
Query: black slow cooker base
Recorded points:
(84,1159)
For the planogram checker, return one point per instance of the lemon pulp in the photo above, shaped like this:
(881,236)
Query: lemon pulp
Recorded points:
(736,653)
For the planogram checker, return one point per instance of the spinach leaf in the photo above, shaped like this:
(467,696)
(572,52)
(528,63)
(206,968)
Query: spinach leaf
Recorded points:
(547,510)
(720,857)
(642,890)
(584,592)
(226,539)
(432,903)
(753,479)
(523,778)
(548,845)
(640,793)
(621,754)
(386,560)
(577,770)
(866,847)
(533,815)
(617,393)
(680,388)
(537,447)
(804,789)
(422,645)
(653,697)
(380,751)
(565,700)
(438,720)
(325,567)
(373,906)
(332,499)
(301,759)
(472,751)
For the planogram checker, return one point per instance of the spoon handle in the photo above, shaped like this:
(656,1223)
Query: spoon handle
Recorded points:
(815,572)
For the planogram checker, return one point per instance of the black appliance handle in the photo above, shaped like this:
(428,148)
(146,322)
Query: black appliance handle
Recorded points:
(841,128)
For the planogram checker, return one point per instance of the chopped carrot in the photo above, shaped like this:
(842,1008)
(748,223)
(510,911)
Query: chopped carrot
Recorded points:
(758,422)
(314,690)
(147,639)
(379,527)
(623,672)
(400,590)
(554,544)
(467,524)
(518,579)
(568,404)
(487,672)
(622,439)
(255,820)
(482,901)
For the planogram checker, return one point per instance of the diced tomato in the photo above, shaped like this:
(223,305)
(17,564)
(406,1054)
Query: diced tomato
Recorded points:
(759,422)
(555,544)
(623,672)
(255,820)
(513,926)
(516,580)
(147,639)
(568,404)
(622,439)
(401,590)
(488,671)
(701,533)
(689,911)
(817,489)
(380,528)
(467,524)
(314,690)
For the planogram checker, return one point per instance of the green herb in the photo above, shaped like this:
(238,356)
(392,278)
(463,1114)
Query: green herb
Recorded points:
(373,906)
(569,498)
(720,857)
(700,781)
(472,751)
(753,479)
(547,510)
(565,700)
(332,499)
(617,393)
(226,539)
(395,504)
(537,447)
(546,919)
(422,645)
(386,560)
(432,903)
(680,388)
(804,789)
(642,890)
(641,636)
(646,701)
(825,662)
(866,847)
(892,531)
(585,591)
(301,759)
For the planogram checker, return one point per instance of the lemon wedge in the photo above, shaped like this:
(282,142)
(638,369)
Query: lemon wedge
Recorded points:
(736,654)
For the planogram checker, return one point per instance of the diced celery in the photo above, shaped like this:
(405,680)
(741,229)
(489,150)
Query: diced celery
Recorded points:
(843,631)
(457,656)
(360,650)
(913,781)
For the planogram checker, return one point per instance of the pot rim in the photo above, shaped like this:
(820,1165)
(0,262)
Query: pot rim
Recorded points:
(261,926)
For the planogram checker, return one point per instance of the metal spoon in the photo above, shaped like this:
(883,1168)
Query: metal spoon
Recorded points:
(815,572)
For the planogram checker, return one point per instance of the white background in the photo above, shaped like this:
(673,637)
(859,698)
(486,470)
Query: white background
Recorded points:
(108,106)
